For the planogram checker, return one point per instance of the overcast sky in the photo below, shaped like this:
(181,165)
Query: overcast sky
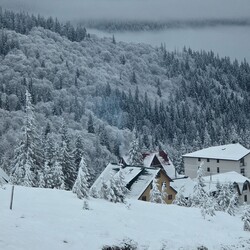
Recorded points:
(134,9)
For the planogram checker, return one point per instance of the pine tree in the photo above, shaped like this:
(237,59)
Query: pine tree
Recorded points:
(41,179)
(78,152)
(227,198)
(90,125)
(105,191)
(199,194)
(208,206)
(118,186)
(81,186)
(93,193)
(28,158)
(28,179)
(232,206)
(180,199)
(155,194)
(58,179)
(66,160)
(135,156)
(207,139)
(48,175)
(246,218)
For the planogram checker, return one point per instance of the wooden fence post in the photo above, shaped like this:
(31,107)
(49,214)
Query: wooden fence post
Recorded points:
(12,195)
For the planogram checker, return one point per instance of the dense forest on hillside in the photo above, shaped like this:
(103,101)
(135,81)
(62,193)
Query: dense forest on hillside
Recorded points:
(89,94)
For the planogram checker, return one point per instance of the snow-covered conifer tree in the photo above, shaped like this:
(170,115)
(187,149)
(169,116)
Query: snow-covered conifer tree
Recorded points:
(104,192)
(41,180)
(118,185)
(246,218)
(28,157)
(28,179)
(199,194)
(66,160)
(93,192)
(227,198)
(78,151)
(180,199)
(208,206)
(155,194)
(81,186)
(57,180)
(135,156)
(232,206)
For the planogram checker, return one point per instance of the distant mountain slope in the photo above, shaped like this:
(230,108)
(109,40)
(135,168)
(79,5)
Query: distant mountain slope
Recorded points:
(54,219)
(178,100)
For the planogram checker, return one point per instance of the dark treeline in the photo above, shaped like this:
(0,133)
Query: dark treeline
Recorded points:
(22,23)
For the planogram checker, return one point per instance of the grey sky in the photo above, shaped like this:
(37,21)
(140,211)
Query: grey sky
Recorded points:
(134,9)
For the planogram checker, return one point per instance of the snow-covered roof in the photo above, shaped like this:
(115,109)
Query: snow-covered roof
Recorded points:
(137,178)
(4,178)
(186,183)
(141,183)
(232,152)
(226,177)
(164,160)
(222,178)
(107,173)
(129,173)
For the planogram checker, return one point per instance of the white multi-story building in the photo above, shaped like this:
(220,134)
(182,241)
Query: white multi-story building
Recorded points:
(218,159)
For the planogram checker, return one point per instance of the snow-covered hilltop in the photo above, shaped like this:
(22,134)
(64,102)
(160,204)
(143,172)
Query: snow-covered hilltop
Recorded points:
(54,219)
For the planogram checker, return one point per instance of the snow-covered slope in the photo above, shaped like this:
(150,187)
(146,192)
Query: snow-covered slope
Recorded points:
(52,219)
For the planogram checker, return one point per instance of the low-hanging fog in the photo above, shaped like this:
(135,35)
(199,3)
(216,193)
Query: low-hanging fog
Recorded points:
(226,40)
(134,9)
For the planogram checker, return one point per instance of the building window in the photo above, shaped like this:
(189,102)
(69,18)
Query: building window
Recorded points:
(242,171)
(199,159)
(245,198)
(242,162)
(218,161)
(245,186)
(218,169)
(170,197)
(208,169)
(144,198)
(208,160)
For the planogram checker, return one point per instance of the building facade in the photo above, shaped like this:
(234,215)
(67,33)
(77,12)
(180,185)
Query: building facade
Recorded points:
(218,159)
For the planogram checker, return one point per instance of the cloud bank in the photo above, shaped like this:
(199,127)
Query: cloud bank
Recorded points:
(76,10)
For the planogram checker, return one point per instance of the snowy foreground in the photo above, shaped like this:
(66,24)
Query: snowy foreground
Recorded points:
(54,219)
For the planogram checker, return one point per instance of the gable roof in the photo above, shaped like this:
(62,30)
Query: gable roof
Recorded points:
(222,178)
(4,178)
(161,160)
(186,183)
(137,178)
(233,152)
(147,175)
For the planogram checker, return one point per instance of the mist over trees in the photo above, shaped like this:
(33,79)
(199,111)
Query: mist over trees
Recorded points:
(99,91)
